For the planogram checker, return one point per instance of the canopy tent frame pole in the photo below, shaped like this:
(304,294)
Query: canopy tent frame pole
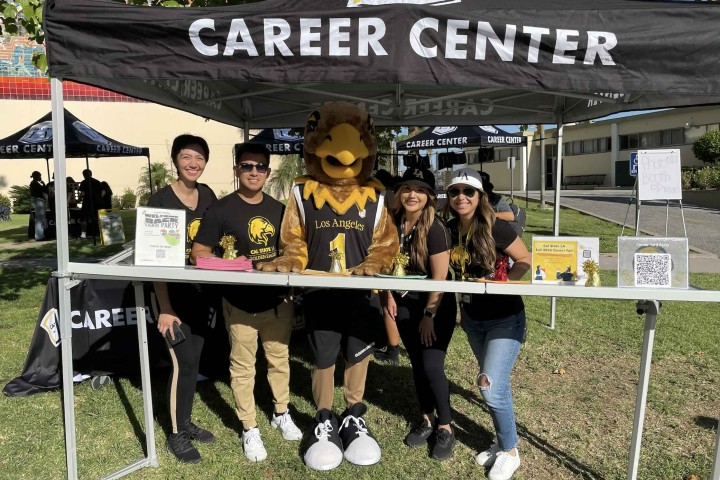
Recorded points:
(556,209)
(150,174)
(65,283)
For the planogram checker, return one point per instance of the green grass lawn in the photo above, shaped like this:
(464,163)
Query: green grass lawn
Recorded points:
(14,242)
(572,426)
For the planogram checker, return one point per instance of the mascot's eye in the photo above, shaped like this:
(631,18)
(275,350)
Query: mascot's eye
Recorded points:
(312,121)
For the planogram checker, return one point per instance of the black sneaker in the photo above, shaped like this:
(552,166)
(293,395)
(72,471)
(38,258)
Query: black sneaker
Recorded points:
(324,447)
(444,443)
(420,435)
(180,446)
(198,434)
(360,446)
(389,354)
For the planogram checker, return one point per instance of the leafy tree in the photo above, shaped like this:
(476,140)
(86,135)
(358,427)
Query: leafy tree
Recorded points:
(20,195)
(282,177)
(162,175)
(707,147)
(125,201)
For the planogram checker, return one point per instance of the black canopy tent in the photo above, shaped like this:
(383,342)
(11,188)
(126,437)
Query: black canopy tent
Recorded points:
(81,141)
(280,141)
(485,137)
(463,136)
(269,64)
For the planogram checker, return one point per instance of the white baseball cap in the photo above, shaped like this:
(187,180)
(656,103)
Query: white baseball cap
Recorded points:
(467,176)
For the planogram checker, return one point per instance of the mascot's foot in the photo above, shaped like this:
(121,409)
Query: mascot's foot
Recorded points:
(325,448)
(360,445)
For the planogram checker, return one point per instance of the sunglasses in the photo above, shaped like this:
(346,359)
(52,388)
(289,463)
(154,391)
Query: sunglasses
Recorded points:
(468,192)
(248,167)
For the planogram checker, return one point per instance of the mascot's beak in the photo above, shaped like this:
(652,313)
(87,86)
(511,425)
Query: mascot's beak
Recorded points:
(342,152)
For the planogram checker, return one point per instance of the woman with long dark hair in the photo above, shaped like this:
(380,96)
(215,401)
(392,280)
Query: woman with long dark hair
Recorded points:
(181,306)
(494,324)
(425,320)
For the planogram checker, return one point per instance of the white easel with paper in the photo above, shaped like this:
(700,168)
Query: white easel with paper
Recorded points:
(658,178)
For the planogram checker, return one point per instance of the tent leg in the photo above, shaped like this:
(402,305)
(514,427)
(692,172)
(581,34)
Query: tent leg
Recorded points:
(47,166)
(651,309)
(150,175)
(145,374)
(556,209)
(64,285)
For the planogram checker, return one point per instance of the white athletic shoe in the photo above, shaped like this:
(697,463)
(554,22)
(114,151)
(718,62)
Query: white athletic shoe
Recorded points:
(504,466)
(253,445)
(487,458)
(287,427)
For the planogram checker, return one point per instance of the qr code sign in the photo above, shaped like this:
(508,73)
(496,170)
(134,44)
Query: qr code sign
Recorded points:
(653,270)
(159,253)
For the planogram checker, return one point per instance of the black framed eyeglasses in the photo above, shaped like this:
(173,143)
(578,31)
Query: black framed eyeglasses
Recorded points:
(247,167)
(468,192)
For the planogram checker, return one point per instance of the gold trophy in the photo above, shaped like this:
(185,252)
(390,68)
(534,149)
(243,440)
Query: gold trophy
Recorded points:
(400,261)
(336,264)
(592,270)
(227,242)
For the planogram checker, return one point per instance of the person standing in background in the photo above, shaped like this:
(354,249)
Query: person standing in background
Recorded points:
(91,189)
(38,197)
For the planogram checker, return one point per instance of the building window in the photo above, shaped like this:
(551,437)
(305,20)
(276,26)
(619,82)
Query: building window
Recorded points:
(550,151)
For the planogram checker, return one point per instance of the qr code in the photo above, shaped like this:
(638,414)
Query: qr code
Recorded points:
(159,253)
(653,270)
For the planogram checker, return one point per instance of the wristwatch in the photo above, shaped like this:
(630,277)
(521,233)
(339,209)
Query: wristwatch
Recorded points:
(429,313)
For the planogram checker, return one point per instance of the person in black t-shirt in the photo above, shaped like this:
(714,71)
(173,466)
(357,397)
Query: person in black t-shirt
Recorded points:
(494,324)
(183,303)
(253,218)
(425,320)
(38,197)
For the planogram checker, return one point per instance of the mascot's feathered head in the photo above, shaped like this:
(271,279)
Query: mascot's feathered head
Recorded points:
(340,144)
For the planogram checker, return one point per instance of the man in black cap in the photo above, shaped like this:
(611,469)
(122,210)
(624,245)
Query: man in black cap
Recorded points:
(38,197)
(501,207)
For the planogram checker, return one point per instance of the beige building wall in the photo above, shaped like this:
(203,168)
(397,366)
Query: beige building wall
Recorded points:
(139,124)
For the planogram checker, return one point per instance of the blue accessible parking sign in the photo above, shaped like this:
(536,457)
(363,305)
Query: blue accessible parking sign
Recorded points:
(633,164)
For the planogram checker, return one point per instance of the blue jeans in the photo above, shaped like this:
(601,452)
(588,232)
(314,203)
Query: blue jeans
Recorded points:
(40,220)
(496,344)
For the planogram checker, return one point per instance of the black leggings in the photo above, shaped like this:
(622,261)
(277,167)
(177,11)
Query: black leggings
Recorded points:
(428,363)
(185,360)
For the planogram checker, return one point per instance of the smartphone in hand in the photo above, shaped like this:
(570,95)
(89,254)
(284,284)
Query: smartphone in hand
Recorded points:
(179,335)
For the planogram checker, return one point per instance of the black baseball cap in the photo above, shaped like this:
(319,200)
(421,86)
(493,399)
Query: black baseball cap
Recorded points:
(417,177)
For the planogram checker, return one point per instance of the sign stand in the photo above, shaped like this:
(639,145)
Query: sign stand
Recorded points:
(659,179)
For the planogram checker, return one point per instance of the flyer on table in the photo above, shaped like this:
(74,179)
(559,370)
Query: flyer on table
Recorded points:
(160,237)
(559,260)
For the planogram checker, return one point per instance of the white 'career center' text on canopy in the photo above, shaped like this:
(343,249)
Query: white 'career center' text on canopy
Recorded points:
(339,37)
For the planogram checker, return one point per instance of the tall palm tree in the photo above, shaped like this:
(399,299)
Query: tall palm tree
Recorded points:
(162,175)
(282,178)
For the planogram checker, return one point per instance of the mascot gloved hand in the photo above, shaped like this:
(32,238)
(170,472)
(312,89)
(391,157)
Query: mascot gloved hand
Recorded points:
(338,206)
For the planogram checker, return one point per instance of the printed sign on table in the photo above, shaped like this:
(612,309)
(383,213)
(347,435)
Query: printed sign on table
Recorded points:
(559,260)
(160,237)
(653,262)
(111,227)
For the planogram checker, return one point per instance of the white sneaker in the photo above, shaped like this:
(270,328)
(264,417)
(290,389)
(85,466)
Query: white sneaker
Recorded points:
(487,458)
(287,427)
(504,466)
(253,445)
(82,235)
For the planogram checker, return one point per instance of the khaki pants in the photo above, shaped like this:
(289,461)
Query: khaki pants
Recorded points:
(274,330)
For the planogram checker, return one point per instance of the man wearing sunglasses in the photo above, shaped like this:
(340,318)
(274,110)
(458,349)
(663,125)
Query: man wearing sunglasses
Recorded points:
(253,218)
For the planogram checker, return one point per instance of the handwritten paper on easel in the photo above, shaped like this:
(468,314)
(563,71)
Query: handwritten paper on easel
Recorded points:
(659,175)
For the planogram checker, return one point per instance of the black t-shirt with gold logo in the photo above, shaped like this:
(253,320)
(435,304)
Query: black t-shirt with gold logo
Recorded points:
(256,228)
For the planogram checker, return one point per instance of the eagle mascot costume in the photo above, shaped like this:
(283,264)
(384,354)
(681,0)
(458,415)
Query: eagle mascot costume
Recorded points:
(338,211)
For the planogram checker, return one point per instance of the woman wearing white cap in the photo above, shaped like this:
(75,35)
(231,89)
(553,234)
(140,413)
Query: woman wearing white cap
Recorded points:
(494,324)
